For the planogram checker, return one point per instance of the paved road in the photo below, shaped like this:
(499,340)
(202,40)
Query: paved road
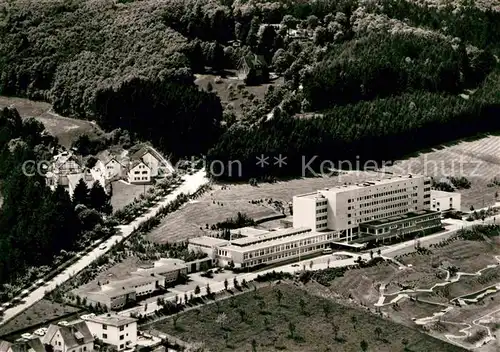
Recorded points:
(322,262)
(191,184)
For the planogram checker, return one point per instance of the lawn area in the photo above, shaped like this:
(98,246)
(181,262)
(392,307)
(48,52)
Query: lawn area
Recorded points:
(297,324)
(186,222)
(242,96)
(67,130)
(124,193)
(40,313)
(362,284)
(477,160)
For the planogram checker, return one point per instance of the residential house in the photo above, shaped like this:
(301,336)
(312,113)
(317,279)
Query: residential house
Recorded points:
(139,173)
(67,163)
(28,345)
(113,168)
(115,330)
(64,164)
(253,69)
(159,165)
(74,337)
(90,176)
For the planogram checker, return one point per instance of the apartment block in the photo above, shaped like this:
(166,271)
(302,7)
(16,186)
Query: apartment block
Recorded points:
(343,208)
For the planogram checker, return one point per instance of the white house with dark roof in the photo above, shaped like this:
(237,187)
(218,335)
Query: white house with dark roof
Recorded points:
(139,173)
(158,164)
(114,165)
(115,330)
(63,164)
(28,345)
(74,337)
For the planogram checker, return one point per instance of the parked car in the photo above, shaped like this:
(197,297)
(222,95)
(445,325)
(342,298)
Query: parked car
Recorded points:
(103,246)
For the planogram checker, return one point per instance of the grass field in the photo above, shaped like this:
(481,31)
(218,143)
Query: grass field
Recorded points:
(39,313)
(242,97)
(467,256)
(119,271)
(293,326)
(186,222)
(477,160)
(362,284)
(124,194)
(65,129)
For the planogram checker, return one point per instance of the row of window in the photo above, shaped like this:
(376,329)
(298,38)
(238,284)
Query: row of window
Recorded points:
(275,238)
(284,247)
(141,178)
(392,199)
(222,253)
(380,216)
(320,211)
(321,203)
(374,210)
(284,255)
(383,194)
(319,218)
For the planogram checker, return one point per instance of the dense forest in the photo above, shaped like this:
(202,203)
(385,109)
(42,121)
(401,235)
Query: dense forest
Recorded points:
(36,223)
(367,80)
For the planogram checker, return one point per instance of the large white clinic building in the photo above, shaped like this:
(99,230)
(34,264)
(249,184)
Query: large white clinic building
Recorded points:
(344,216)
(344,208)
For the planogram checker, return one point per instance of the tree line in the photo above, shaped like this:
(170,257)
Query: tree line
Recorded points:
(36,223)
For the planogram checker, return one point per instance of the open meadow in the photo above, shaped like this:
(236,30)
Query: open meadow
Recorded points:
(293,320)
(233,92)
(41,312)
(66,129)
(478,160)
(124,193)
(225,201)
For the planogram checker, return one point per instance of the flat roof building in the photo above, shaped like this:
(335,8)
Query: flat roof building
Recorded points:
(268,247)
(344,208)
(444,201)
(116,330)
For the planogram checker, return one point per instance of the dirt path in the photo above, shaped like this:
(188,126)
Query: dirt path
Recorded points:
(465,332)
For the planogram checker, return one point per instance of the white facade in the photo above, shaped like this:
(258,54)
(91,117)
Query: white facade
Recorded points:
(152,162)
(442,201)
(113,169)
(115,330)
(75,337)
(139,174)
(206,244)
(343,208)
(267,248)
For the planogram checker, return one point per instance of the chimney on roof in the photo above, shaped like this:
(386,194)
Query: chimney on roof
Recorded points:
(108,315)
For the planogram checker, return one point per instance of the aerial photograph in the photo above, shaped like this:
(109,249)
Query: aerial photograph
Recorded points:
(249,175)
